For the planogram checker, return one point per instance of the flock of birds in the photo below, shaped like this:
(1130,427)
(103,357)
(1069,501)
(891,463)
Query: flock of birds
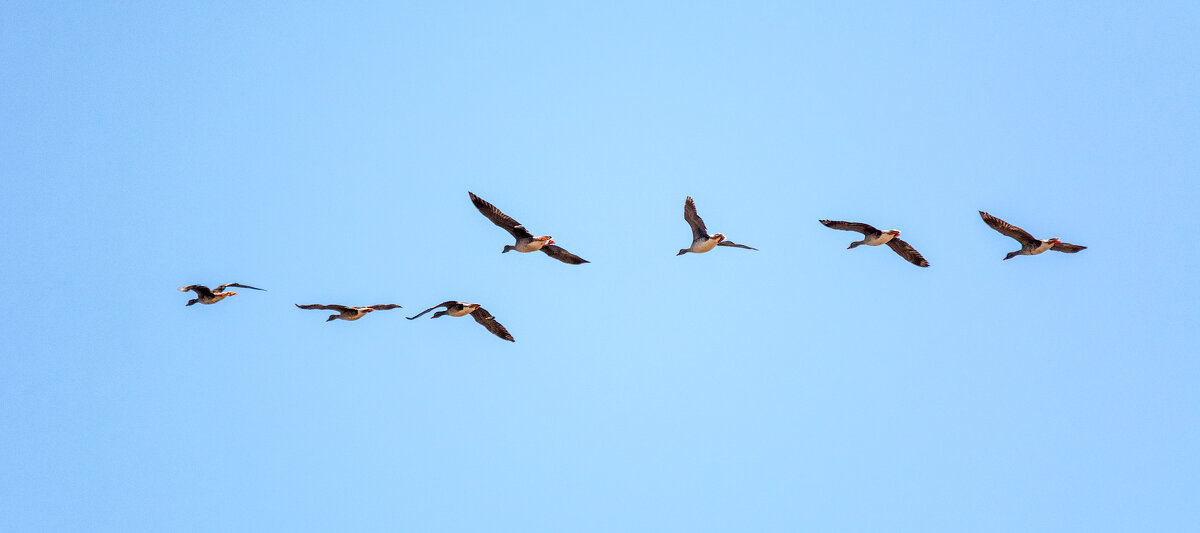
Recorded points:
(701,242)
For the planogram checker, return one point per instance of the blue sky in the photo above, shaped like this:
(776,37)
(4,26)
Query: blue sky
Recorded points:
(325,153)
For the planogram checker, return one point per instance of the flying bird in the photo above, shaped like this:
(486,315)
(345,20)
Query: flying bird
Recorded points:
(480,315)
(347,312)
(1029,245)
(874,237)
(208,296)
(526,242)
(701,240)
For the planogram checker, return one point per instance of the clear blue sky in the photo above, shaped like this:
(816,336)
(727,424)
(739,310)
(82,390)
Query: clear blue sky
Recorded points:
(325,153)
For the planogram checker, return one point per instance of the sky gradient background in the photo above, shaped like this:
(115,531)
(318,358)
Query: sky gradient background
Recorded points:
(325,153)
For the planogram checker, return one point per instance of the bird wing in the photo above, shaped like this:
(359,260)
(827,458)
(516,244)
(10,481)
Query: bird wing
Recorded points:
(384,307)
(488,321)
(906,251)
(222,288)
(446,303)
(499,218)
(561,254)
(865,229)
(735,245)
(1019,234)
(1067,247)
(338,308)
(693,219)
(200,290)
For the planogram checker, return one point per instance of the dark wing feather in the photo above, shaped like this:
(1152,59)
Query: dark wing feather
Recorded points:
(499,218)
(1019,234)
(865,229)
(488,321)
(1067,247)
(693,219)
(200,290)
(338,308)
(446,303)
(559,253)
(227,285)
(384,307)
(735,245)
(906,251)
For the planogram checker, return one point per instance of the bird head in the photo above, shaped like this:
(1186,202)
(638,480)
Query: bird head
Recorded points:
(547,239)
(894,232)
(1054,240)
(720,237)
(367,310)
(231,294)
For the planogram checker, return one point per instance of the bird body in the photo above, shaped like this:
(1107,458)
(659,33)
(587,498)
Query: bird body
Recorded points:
(1043,245)
(460,310)
(209,299)
(704,245)
(529,244)
(876,240)
(351,314)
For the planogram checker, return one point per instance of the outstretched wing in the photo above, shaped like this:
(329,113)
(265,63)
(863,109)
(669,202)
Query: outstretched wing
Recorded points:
(693,219)
(488,321)
(221,288)
(735,245)
(384,307)
(200,290)
(446,303)
(1067,247)
(865,229)
(1019,234)
(338,308)
(906,251)
(559,253)
(499,218)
